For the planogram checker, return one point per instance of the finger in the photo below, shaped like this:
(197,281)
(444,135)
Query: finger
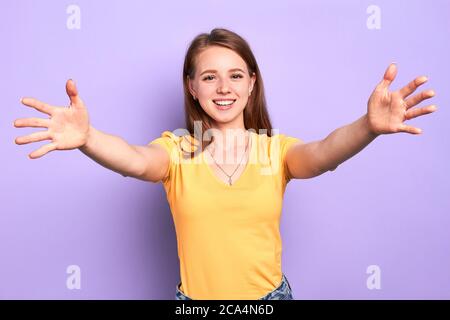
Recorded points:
(389,75)
(32,122)
(38,105)
(418,98)
(412,86)
(72,92)
(34,137)
(42,150)
(416,112)
(409,129)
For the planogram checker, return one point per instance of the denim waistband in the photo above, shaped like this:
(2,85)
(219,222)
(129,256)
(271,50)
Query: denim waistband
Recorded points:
(282,292)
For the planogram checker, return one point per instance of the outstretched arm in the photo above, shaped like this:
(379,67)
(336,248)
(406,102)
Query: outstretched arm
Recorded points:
(69,128)
(386,112)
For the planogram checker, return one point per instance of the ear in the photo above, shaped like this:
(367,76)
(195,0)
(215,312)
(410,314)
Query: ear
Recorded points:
(191,87)
(252,81)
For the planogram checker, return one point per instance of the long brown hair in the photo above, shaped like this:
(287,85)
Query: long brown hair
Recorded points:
(256,116)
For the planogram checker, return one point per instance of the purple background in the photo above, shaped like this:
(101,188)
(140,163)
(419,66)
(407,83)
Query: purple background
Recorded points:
(388,205)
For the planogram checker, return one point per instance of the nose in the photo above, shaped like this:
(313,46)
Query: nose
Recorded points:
(223,87)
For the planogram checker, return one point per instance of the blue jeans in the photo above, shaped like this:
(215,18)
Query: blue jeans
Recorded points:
(282,292)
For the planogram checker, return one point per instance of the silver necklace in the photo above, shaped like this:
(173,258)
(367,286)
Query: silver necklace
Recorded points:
(229,176)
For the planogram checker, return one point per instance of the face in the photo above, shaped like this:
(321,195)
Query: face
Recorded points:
(222,78)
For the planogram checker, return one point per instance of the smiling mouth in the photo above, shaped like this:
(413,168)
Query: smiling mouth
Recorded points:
(224,104)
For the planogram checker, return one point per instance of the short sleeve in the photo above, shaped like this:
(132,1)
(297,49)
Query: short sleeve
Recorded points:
(285,143)
(170,142)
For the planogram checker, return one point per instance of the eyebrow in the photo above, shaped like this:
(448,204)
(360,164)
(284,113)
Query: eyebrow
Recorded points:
(215,71)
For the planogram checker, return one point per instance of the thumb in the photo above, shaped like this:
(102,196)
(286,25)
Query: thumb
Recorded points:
(389,75)
(72,92)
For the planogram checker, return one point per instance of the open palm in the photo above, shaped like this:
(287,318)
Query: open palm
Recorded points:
(68,127)
(387,110)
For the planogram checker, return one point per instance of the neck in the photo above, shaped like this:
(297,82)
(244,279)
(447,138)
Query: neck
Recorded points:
(229,138)
(230,145)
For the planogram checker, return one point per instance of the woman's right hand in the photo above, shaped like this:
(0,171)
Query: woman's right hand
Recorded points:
(68,127)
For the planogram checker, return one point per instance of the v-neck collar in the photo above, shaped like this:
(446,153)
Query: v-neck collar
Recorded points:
(243,173)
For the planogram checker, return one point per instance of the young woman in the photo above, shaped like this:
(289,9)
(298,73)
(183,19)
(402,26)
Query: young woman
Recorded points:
(226,213)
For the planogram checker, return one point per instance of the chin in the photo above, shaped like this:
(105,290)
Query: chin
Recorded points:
(224,116)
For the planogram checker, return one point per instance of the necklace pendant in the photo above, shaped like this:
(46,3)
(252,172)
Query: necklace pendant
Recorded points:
(229,180)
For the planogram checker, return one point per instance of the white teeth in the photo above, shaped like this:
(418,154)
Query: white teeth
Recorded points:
(223,103)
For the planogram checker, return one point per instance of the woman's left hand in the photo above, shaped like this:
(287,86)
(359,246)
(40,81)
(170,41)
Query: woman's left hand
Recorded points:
(386,110)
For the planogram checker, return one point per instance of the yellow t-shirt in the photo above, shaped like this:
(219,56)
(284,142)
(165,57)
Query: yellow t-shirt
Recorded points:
(228,237)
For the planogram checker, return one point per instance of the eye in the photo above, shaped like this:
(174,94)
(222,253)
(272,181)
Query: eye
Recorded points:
(234,76)
(208,77)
